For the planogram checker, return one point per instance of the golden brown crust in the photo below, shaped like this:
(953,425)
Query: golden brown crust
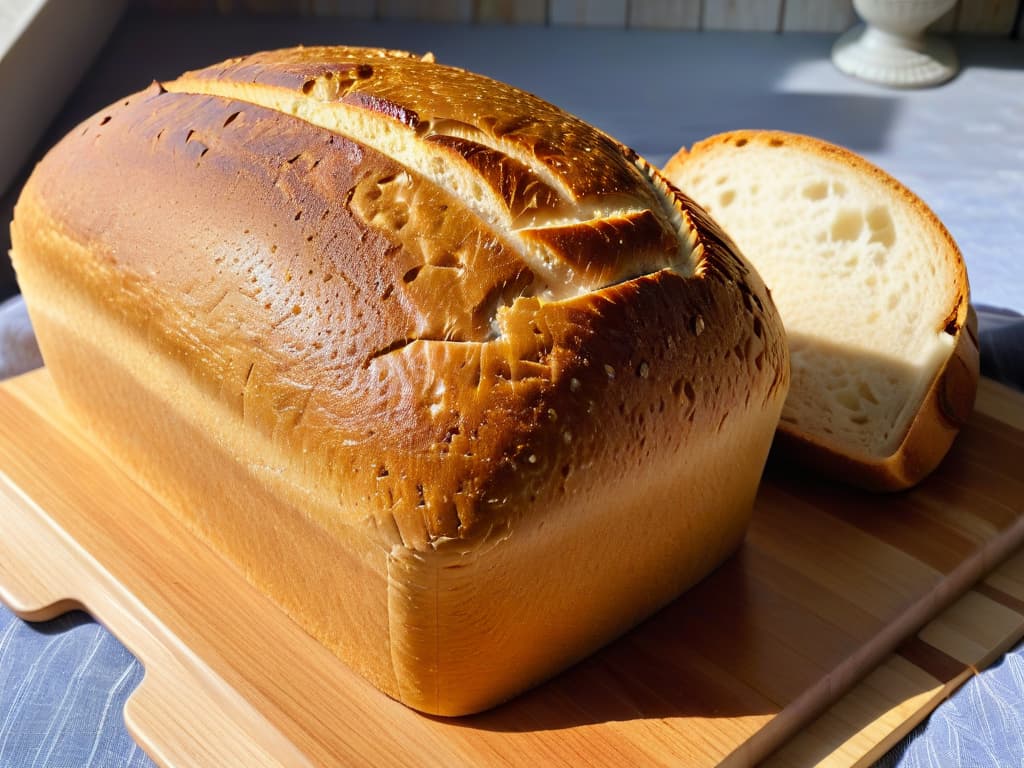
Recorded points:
(374,359)
(357,343)
(433,99)
(950,397)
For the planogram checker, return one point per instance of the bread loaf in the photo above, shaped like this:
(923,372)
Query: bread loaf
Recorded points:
(457,380)
(873,292)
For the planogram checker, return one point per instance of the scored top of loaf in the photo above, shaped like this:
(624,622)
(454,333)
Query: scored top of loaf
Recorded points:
(576,206)
(433,299)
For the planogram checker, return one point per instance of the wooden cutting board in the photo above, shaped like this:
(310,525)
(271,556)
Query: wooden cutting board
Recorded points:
(823,596)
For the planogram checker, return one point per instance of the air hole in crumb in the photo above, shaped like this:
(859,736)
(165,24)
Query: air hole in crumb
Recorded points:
(776,142)
(866,393)
(741,142)
(307,87)
(105,120)
(883,230)
(848,400)
(816,191)
(412,274)
(847,225)
(189,135)
(231,118)
(726,198)
(298,215)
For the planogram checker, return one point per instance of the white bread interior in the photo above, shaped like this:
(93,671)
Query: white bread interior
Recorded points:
(871,287)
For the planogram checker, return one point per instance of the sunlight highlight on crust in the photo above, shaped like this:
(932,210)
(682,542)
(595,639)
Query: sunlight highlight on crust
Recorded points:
(404,137)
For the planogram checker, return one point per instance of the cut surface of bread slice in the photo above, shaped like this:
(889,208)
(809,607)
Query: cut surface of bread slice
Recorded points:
(872,290)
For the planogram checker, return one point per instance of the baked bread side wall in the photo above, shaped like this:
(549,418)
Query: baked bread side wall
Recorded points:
(344,379)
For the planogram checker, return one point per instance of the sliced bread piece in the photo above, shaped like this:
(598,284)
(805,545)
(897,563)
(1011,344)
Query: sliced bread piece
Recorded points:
(873,293)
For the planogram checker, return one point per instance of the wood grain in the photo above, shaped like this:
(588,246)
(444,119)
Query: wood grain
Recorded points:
(820,601)
(351,9)
(747,15)
(986,17)
(665,14)
(512,11)
(881,709)
(817,15)
(437,10)
(588,13)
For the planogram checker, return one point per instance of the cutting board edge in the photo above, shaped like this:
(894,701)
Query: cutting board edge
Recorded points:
(148,638)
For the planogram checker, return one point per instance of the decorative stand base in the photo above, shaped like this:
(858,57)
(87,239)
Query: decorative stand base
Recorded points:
(900,62)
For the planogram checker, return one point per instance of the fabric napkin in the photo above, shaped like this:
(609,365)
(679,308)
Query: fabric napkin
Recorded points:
(18,349)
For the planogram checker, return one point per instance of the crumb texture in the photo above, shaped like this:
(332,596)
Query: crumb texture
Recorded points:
(869,284)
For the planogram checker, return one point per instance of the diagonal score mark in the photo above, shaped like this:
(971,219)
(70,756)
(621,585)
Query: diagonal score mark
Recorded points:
(402,138)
